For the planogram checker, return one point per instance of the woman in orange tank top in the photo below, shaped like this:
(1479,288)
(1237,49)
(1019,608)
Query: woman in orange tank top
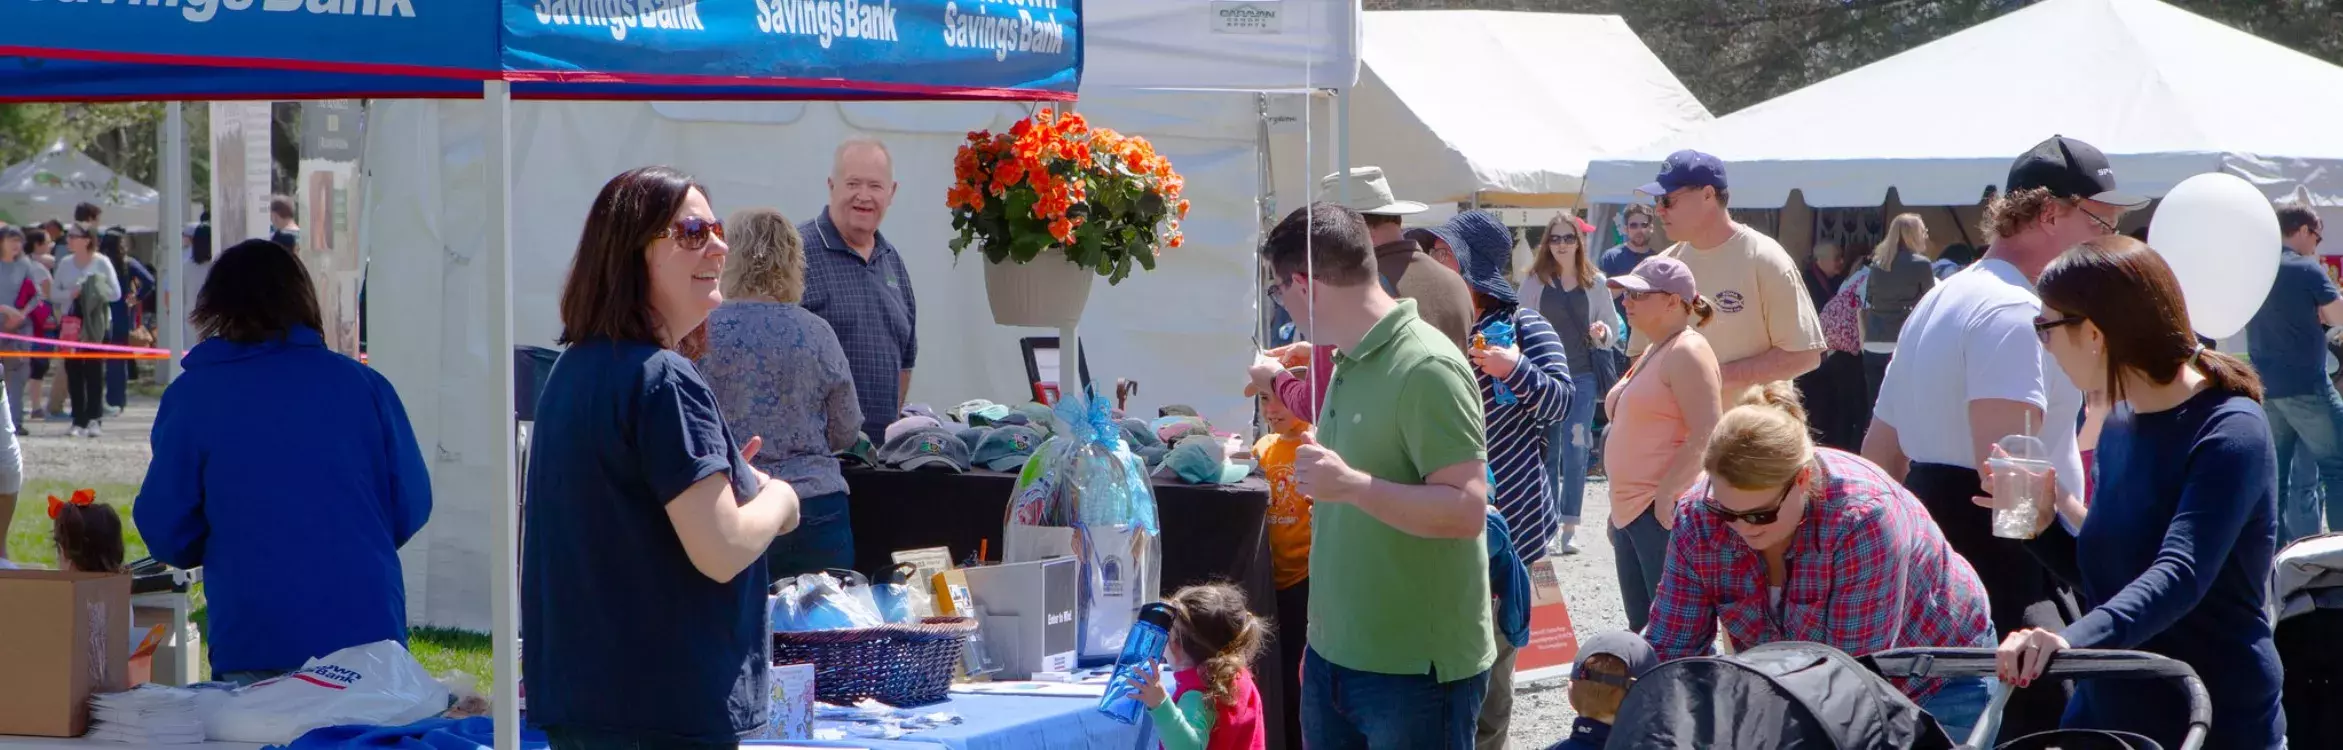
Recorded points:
(1661,412)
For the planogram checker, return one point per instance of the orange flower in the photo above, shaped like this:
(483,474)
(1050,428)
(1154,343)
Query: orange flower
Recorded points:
(1177,240)
(1183,209)
(1063,230)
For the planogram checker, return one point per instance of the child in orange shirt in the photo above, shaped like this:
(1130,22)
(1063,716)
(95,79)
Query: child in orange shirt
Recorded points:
(1288,525)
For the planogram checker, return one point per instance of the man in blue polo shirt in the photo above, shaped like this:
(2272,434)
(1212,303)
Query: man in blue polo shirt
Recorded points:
(2289,350)
(855,280)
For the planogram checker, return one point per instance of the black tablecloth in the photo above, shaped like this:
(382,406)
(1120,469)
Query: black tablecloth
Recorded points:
(1210,533)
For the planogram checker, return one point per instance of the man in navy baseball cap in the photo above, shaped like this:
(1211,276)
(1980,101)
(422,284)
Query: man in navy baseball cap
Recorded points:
(2069,168)
(1684,169)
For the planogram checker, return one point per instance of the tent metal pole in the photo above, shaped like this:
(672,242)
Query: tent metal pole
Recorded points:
(170,322)
(504,567)
(1342,144)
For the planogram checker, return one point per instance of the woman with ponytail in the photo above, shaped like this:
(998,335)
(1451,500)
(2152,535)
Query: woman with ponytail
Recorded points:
(1786,541)
(2174,551)
(1213,638)
(1661,413)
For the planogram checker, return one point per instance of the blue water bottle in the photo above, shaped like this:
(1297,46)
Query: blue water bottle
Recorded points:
(1141,650)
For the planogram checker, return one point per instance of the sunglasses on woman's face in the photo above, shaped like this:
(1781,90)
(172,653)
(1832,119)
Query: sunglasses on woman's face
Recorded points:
(692,233)
(2043,327)
(1561,239)
(1761,517)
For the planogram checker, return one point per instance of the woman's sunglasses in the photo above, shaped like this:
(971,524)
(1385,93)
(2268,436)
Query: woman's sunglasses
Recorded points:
(2042,328)
(692,233)
(1561,239)
(1761,517)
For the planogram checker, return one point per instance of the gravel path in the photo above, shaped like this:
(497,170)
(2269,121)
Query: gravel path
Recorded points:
(118,456)
(1541,711)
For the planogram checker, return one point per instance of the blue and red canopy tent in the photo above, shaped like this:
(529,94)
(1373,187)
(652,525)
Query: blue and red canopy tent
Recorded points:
(196,50)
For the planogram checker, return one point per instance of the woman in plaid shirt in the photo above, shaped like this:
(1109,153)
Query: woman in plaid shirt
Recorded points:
(1798,543)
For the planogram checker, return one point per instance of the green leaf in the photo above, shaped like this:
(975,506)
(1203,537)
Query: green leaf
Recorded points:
(959,243)
(1029,245)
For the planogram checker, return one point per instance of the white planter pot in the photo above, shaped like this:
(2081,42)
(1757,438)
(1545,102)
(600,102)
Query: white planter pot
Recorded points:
(1046,293)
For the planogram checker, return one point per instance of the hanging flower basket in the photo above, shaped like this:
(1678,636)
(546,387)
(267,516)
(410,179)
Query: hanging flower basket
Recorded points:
(1053,191)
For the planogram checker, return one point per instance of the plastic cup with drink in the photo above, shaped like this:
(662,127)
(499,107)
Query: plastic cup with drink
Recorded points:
(2022,484)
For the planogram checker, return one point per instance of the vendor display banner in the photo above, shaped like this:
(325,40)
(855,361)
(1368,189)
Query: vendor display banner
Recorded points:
(970,48)
(240,172)
(1553,641)
(332,138)
(401,37)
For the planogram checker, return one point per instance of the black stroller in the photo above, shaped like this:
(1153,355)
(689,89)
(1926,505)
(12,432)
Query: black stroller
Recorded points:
(1808,696)
(2307,588)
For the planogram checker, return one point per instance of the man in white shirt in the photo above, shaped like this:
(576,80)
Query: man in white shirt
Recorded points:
(1970,370)
(1765,328)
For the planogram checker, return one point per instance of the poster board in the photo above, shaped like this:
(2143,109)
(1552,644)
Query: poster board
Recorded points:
(327,202)
(1553,640)
(240,172)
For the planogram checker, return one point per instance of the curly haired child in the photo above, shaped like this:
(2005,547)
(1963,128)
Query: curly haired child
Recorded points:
(88,533)
(1216,706)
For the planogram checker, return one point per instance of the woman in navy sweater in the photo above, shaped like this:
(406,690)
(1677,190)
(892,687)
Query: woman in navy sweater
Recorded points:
(2174,552)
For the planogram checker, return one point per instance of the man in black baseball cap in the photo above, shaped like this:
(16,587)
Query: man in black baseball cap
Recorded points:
(1969,371)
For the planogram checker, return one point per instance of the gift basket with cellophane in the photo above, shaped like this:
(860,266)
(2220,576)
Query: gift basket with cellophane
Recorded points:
(1085,494)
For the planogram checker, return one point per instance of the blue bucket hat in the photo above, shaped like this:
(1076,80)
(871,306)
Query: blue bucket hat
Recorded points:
(1482,245)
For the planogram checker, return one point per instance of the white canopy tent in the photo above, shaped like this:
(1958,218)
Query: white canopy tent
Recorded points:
(2167,94)
(1184,331)
(1508,106)
(51,183)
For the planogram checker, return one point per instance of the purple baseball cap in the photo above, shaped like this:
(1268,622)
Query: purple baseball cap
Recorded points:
(1659,274)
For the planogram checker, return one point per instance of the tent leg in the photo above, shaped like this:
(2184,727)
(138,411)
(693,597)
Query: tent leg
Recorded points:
(1342,144)
(170,322)
(504,563)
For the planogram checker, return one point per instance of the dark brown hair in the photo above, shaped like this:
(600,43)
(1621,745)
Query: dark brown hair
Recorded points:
(1633,210)
(89,537)
(1324,239)
(608,293)
(2126,290)
(1549,271)
(2293,219)
(1216,629)
(279,205)
(257,290)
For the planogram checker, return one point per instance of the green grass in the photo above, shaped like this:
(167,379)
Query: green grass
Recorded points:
(440,650)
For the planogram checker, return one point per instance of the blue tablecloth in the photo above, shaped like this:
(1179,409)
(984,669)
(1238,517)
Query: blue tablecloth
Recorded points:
(1015,722)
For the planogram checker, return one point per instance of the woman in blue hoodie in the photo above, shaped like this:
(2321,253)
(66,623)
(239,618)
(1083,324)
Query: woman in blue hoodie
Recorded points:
(287,471)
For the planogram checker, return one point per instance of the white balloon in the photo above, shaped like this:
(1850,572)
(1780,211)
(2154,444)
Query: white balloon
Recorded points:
(2220,236)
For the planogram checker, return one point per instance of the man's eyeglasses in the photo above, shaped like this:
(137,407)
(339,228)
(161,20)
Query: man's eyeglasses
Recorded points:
(1669,200)
(692,233)
(1761,517)
(1638,225)
(2042,327)
(2103,223)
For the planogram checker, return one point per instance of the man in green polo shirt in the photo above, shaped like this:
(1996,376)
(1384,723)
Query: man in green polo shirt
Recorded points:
(1399,630)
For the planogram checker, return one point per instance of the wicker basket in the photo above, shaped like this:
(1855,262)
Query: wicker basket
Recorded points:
(899,665)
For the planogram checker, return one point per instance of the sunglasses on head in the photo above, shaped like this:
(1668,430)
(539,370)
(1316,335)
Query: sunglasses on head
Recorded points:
(692,233)
(1761,517)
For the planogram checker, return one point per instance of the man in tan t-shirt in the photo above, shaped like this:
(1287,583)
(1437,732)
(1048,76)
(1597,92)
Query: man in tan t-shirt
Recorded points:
(1765,328)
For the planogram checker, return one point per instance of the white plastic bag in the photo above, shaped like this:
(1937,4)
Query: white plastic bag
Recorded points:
(378,684)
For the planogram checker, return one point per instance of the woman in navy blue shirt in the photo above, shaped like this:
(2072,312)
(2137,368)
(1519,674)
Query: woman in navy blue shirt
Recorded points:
(642,593)
(2173,553)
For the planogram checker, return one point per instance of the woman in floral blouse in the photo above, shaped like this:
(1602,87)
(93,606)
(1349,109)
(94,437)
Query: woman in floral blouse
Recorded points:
(778,372)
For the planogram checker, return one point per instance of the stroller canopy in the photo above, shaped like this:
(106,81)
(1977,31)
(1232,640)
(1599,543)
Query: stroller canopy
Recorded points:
(1776,696)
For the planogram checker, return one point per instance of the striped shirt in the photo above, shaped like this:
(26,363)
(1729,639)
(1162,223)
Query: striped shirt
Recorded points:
(1868,570)
(1517,432)
(870,305)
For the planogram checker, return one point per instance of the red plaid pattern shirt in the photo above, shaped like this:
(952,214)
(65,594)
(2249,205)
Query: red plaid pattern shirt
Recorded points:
(1868,570)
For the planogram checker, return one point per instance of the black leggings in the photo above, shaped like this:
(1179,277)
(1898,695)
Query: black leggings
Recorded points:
(85,385)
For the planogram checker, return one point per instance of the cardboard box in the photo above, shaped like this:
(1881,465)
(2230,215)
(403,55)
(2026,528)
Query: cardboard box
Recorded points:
(1028,614)
(63,636)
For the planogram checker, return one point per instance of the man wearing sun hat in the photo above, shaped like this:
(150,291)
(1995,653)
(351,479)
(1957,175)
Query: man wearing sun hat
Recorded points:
(1765,328)
(1442,299)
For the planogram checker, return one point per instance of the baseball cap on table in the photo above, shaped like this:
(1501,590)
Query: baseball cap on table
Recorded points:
(1659,274)
(908,424)
(1202,459)
(1686,168)
(1370,193)
(971,435)
(2068,168)
(1006,448)
(1626,646)
(925,448)
(861,456)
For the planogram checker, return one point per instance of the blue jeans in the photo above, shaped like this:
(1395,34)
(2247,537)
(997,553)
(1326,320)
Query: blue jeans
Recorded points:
(1567,444)
(1957,706)
(2314,422)
(1346,709)
(824,539)
(1639,553)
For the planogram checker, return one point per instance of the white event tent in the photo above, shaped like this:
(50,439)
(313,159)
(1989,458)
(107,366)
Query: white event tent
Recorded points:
(1152,67)
(1506,106)
(2167,94)
(51,183)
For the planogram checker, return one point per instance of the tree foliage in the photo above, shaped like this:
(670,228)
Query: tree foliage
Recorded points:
(1735,53)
